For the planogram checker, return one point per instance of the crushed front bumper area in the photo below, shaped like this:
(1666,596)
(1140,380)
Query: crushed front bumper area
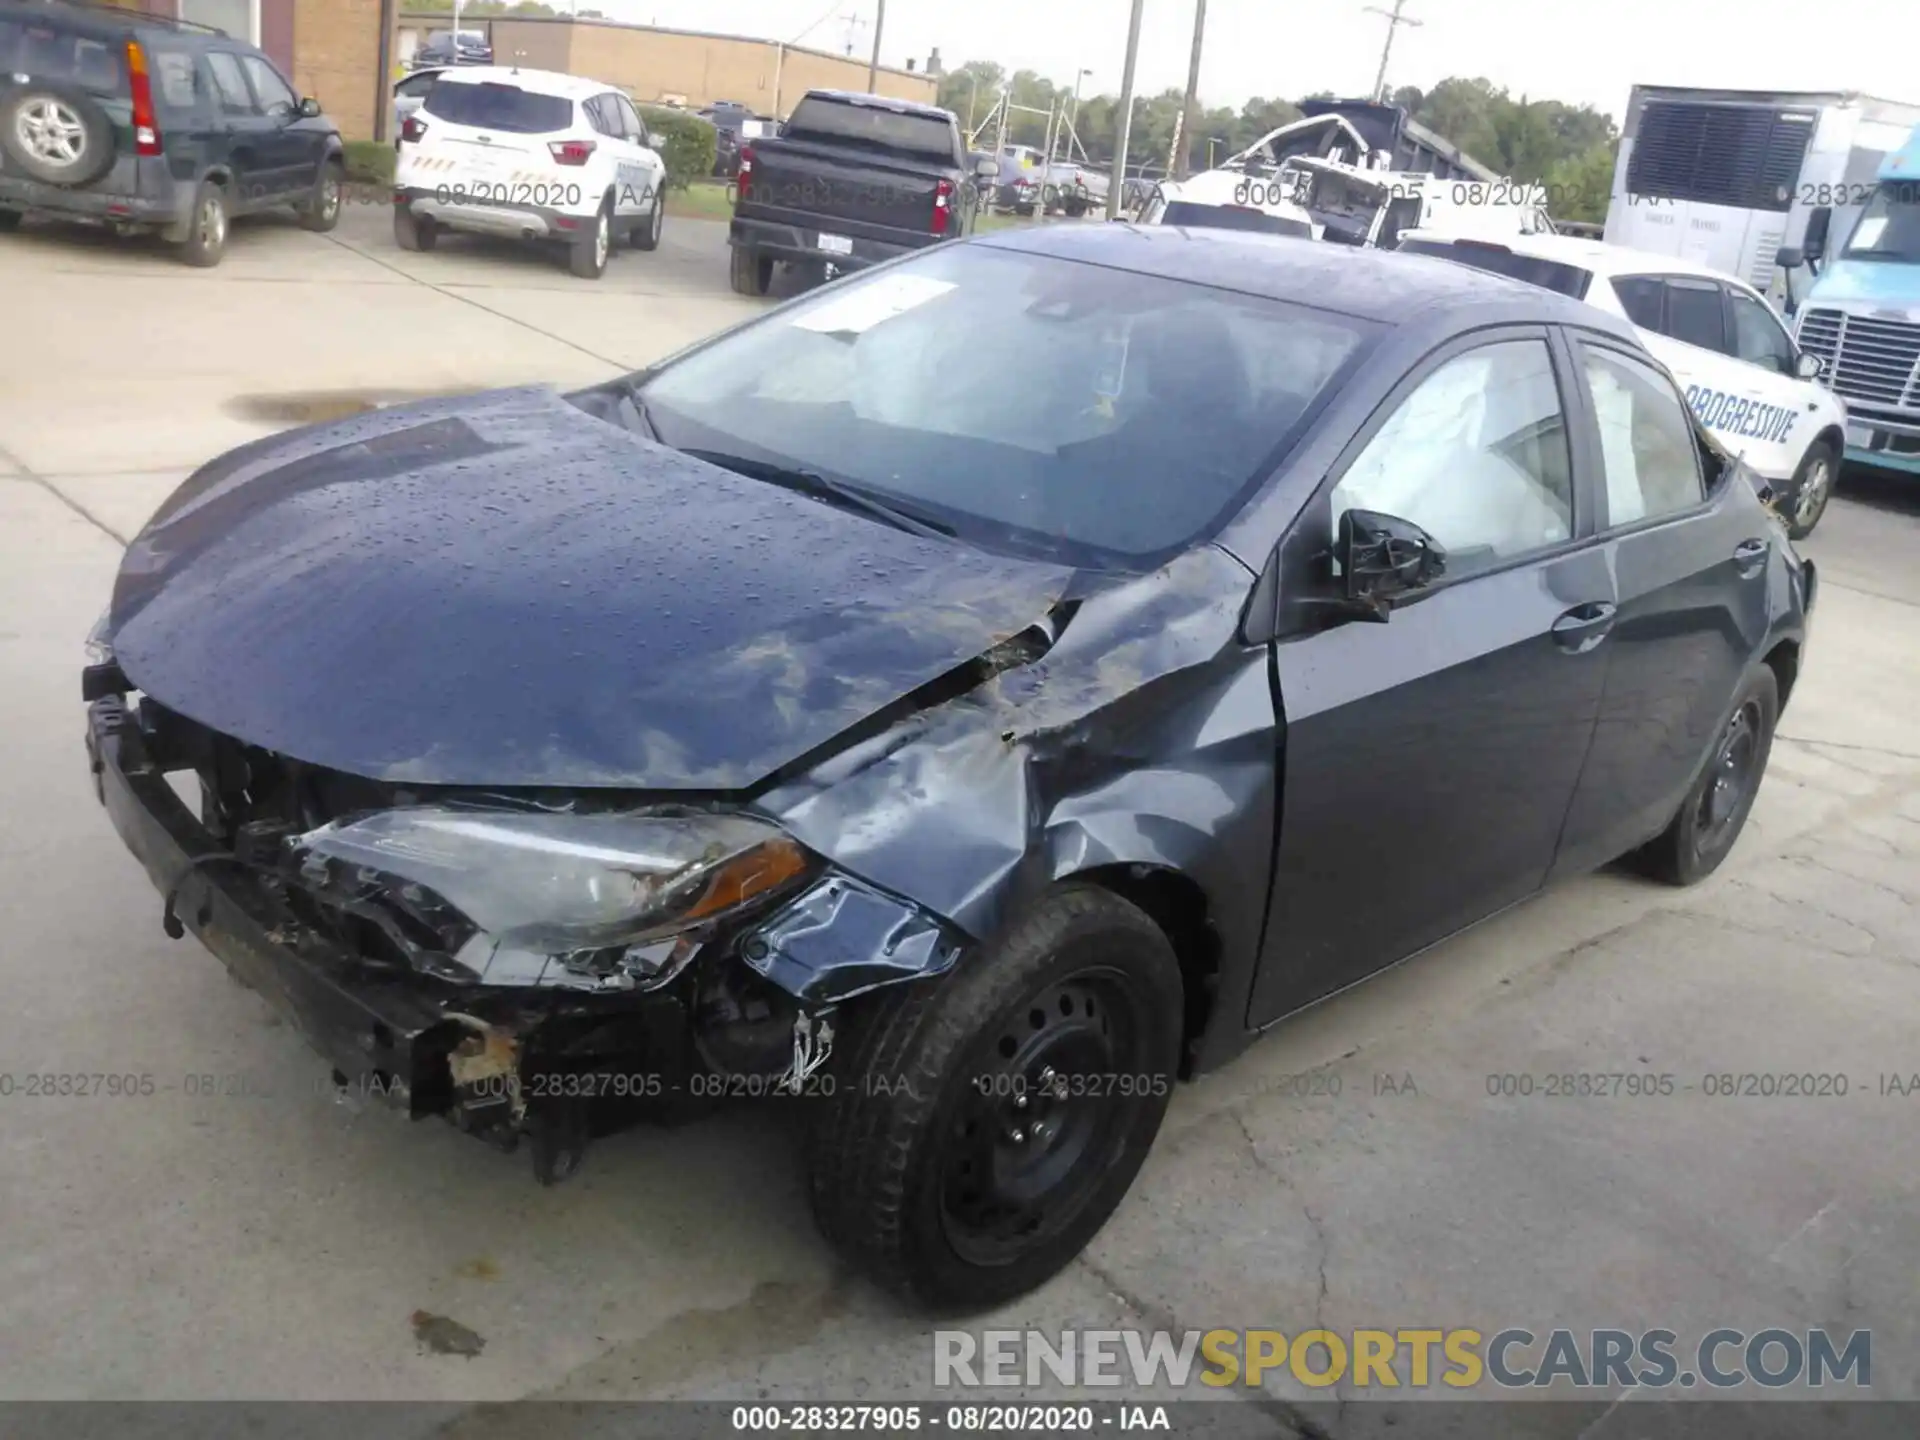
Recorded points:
(503,1064)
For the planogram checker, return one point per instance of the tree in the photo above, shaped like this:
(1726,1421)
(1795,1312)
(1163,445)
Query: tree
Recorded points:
(974,85)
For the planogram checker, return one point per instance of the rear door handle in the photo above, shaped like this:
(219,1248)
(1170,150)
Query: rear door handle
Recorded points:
(1584,627)
(1750,555)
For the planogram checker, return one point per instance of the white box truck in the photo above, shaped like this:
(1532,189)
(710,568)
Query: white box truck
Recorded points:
(1726,178)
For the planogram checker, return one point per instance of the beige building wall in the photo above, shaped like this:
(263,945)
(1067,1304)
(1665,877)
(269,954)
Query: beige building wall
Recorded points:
(336,59)
(684,67)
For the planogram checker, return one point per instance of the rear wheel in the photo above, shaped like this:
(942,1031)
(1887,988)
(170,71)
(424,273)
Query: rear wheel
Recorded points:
(587,257)
(1813,486)
(206,238)
(751,272)
(1715,810)
(414,232)
(1021,1094)
(9,220)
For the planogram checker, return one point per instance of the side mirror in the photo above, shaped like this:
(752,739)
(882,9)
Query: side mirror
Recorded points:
(1383,557)
(1813,245)
(1789,257)
(309,109)
(1807,367)
(654,142)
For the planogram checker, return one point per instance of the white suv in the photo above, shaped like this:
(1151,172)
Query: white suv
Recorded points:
(1743,375)
(532,155)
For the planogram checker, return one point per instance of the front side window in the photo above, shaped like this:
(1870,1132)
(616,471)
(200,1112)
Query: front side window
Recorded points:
(276,97)
(1646,439)
(1477,456)
(1758,338)
(1034,404)
(1696,314)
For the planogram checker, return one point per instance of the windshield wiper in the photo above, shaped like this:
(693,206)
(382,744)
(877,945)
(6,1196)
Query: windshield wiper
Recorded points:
(812,482)
(629,390)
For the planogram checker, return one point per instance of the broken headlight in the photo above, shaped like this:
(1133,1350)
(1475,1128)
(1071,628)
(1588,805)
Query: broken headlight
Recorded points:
(571,887)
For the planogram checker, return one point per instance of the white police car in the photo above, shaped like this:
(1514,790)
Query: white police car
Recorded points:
(532,155)
(1743,375)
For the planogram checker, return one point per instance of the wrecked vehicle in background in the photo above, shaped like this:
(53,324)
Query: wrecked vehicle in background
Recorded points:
(958,702)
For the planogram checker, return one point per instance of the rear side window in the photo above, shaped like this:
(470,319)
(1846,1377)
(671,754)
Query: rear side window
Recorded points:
(46,53)
(1228,217)
(1554,275)
(1696,314)
(176,79)
(1640,297)
(491,105)
(840,122)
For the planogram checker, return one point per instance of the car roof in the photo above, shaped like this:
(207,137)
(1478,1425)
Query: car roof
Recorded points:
(881,102)
(1594,255)
(1367,283)
(543,82)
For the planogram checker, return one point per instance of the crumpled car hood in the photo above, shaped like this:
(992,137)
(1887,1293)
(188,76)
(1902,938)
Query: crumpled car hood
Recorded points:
(501,590)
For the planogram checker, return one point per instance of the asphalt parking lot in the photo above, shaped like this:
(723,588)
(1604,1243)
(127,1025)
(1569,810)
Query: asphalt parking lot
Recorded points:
(191,1245)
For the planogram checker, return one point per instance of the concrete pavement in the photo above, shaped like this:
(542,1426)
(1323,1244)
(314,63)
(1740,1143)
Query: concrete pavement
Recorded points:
(184,1244)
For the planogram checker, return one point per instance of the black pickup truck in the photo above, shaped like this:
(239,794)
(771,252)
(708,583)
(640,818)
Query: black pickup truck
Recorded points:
(851,180)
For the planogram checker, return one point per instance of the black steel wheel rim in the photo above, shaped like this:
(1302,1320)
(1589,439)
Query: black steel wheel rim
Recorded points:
(1731,778)
(1046,1105)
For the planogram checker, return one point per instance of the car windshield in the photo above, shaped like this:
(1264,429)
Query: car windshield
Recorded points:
(1889,226)
(1031,404)
(848,122)
(1232,217)
(491,105)
(1552,275)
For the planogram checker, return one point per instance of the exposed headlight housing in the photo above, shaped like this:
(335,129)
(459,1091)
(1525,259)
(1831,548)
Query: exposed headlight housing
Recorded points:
(543,887)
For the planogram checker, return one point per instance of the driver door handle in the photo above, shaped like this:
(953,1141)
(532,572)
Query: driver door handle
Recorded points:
(1749,556)
(1584,626)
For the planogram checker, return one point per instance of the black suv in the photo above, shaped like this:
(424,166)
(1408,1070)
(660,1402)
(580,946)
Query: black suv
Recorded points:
(145,123)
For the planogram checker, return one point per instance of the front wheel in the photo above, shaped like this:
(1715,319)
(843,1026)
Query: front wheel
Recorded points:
(1715,811)
(9,220)
(646,234)
(321,212)
(992,1120)
(1813,486)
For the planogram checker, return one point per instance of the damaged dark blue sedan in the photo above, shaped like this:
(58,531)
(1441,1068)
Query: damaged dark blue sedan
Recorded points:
(956,704)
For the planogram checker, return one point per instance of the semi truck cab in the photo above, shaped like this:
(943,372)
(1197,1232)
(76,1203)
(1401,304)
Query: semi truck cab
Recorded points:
(1860,316)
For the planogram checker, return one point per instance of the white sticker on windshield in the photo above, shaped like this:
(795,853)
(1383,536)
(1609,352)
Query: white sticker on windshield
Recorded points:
(1867,235)
(860,309)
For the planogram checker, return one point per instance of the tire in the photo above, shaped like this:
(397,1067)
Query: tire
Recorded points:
(207,226)
(56,134)
(1711,818)
(646,235)
(587,253)
(1076,206)
(750,271)
(1083,985)
(10,220)
(321,212)
(414,232)
(1813,486)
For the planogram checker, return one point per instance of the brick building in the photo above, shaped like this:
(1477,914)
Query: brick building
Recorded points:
(676,67)
(338,51)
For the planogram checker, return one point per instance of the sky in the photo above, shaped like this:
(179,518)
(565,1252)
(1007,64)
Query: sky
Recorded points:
(1545,49)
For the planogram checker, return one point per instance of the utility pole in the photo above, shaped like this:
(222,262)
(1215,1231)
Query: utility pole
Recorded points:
(1119,182)
(873,65)
(1184,127)
(1394,21)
